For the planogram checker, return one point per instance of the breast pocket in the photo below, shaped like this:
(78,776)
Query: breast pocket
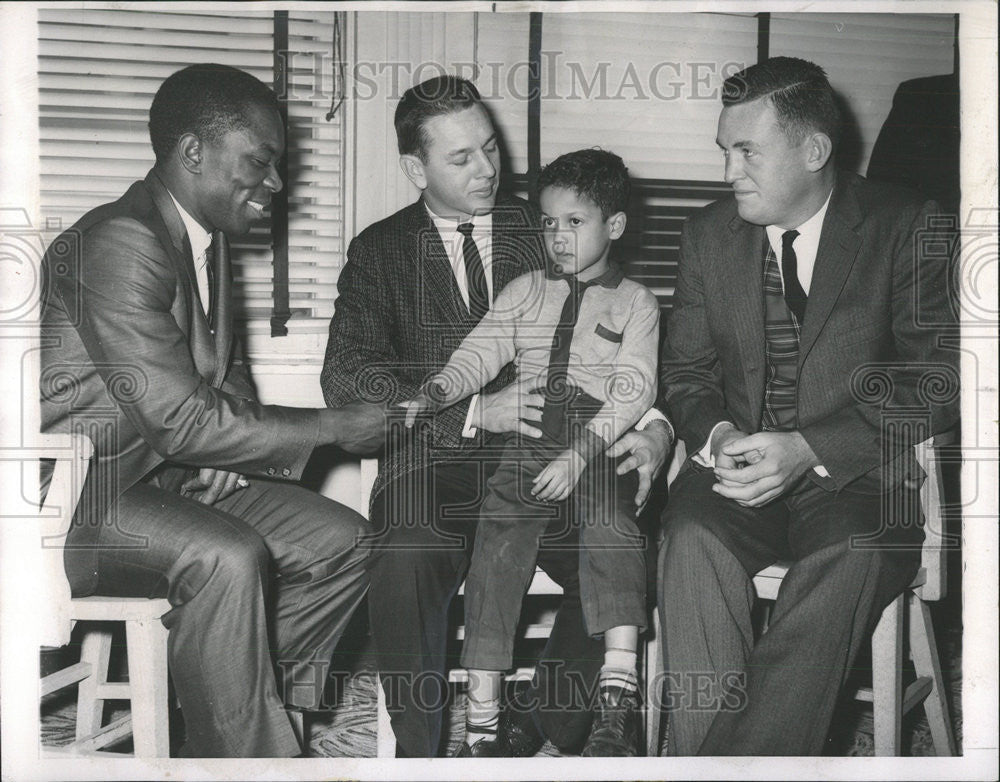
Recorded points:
(611,336)
(605,346)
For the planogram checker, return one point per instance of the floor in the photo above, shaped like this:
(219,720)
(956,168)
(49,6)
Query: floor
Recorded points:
(347,729)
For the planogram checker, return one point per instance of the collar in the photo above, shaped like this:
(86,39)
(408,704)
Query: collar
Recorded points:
(482,223)
(809,231)
(199,238)
(610,279)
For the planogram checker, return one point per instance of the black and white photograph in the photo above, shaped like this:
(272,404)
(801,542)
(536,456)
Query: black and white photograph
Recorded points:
(499,390)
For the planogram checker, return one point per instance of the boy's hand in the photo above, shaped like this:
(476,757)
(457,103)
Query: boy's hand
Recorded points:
(559,477)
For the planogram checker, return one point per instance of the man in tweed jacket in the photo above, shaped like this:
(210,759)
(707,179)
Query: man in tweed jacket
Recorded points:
(406,301)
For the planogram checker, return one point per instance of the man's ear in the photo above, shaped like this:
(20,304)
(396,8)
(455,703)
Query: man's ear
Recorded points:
(413,167)
(189,152)
(819,148)
(616,225)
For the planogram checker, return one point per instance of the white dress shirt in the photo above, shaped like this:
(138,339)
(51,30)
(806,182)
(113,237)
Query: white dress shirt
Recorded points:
(453,241)
(200,240)
(482,235)
(806,245)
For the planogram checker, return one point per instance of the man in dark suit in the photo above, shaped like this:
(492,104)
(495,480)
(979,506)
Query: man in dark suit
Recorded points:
(139,354)
(414,286)
(804,315)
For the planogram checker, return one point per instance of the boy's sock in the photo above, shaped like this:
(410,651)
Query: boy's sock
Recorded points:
(482,714)
(619,670)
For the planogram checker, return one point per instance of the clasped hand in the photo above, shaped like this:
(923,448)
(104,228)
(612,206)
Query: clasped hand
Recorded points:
(755,469)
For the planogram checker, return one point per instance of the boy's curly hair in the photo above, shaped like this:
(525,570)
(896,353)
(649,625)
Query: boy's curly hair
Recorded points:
(596,173)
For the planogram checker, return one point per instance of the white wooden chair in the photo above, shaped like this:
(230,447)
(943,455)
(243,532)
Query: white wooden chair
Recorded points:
(145,635)
(541,585)
(890,702)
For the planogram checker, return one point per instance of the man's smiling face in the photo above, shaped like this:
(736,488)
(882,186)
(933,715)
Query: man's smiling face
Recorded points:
(239,175)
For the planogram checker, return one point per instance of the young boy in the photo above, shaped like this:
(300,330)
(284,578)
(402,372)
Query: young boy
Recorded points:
(589,337)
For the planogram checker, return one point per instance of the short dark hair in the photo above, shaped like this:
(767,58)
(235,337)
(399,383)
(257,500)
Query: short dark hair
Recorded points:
(798,90)
(431,98)
(208,100)
(596,173)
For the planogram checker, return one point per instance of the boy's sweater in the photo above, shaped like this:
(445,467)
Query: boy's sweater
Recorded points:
(613,353)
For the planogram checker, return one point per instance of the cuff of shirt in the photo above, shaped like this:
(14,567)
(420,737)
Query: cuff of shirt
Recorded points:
(470,430)
(654,414)
(704,455)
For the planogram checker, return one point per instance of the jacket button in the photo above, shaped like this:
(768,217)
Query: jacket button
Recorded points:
(286,472)
(270,471)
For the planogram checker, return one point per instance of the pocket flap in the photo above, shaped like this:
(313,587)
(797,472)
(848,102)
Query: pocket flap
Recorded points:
(608,334)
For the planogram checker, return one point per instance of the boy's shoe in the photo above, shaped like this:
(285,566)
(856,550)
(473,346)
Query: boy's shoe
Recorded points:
(485,748)
(518,729)
(615,732)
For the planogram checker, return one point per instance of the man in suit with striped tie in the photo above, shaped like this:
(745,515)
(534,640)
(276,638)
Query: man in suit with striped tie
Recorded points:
(794,295)
(139,354)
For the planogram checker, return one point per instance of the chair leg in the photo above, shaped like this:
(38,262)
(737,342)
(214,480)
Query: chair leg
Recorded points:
(147,673)
(923,649)
(654,696)
(887,679)
(96,651)
(385,739)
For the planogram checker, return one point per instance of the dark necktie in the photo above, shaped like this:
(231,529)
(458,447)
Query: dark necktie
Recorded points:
(795,297)
(557,392)
(475,274)
(210,256)
(220,278)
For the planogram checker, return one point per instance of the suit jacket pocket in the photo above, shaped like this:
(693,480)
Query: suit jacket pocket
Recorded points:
(608,334)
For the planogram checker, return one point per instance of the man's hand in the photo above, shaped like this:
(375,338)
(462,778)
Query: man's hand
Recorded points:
(414,407)
(559,477)
(211,485)
(511,409)
(648,451)
(357,427)
(775,462)
(723,435)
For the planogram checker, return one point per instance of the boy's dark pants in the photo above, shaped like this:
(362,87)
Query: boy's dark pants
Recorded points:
(512,526)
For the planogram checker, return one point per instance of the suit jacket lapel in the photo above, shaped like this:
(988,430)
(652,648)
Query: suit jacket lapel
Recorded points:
(437,280)
(176,233)
(175,241)
(743,277)
(838,249)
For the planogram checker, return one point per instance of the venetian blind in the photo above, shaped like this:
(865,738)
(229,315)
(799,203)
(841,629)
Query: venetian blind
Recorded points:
(502,79)
(98,72)
(643,85)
